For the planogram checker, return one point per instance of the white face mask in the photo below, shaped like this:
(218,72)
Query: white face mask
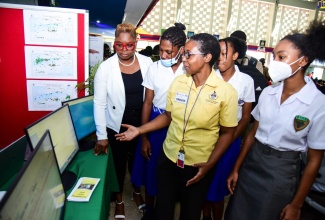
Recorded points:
(280,71)
(172,61)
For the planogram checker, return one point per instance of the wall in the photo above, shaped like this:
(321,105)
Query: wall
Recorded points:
(14,113)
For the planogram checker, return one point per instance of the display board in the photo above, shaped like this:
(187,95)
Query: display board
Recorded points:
(31,35)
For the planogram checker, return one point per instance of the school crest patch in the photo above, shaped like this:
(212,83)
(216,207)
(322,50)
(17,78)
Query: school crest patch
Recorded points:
(300,122)
(213,95)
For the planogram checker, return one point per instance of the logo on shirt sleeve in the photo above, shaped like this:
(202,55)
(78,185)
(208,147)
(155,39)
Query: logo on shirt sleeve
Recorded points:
(300,122)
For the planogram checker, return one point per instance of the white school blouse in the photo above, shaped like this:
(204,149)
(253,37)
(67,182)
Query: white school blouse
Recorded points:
(304,110)
(158,79)
(244,85)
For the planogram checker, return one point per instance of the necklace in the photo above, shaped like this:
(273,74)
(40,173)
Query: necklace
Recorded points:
(127,64)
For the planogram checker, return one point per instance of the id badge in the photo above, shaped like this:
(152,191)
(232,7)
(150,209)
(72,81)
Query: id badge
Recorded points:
(181,98)
(181,159)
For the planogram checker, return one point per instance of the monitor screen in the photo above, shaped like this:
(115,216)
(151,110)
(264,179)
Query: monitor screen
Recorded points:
(37,192)
(82,113)
(63,135)
(12,159)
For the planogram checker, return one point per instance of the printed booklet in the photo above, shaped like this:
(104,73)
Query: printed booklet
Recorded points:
(83,189)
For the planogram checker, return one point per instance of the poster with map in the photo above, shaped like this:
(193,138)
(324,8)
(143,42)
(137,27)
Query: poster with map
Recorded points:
(50,28)
(51,62)
(46,95)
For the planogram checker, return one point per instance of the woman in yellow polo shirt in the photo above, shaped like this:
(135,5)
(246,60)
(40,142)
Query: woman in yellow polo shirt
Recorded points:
(201,113)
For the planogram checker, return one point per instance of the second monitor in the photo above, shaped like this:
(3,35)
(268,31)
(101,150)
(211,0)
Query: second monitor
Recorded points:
(82,113)
(63,134)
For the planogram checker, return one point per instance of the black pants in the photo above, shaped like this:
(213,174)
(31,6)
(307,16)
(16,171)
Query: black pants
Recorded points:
(171,186)
(123,154)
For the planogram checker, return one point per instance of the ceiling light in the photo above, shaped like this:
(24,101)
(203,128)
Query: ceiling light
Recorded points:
(98,21)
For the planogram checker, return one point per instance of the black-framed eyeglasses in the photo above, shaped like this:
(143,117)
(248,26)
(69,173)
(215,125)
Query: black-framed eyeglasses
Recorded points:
(188,54)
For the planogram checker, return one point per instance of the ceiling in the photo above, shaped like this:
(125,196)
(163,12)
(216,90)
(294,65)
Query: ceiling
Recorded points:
(104,15)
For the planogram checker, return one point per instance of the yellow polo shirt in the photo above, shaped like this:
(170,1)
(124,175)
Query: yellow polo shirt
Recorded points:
(216,105)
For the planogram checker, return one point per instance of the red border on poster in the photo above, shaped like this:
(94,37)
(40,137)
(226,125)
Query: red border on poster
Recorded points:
(14,114)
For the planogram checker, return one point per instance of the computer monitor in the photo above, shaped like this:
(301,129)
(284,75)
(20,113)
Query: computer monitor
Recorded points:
(82,113)
(12,159)
(64,139)
(37,192)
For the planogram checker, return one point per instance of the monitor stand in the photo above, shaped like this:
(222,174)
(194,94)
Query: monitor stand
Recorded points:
(68,179)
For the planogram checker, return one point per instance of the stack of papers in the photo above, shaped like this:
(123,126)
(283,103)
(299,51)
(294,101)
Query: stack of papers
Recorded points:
(83,189)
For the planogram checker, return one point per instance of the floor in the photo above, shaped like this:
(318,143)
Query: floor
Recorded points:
(131,211)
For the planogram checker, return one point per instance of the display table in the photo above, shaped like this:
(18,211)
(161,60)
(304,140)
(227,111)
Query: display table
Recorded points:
(86,164)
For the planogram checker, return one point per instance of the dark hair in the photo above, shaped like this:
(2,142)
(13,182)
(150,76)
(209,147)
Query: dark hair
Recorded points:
(175,35)
(239,46)
(155,50)
(310,44)
(208,44)
(239,34)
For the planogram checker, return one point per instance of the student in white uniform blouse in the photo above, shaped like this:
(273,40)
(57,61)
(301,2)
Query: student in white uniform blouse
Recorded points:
(231,49)
(244,85)
(157,81)
(289,119)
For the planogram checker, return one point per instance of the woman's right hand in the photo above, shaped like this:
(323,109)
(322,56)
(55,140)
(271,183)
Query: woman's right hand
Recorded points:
(101,147)
(232,181)
(146,148)
(131,133)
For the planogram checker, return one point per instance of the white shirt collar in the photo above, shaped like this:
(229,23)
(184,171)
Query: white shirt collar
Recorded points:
(235,77)
(305,95)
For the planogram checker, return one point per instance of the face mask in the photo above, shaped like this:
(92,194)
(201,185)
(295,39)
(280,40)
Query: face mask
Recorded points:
(170,62)
(280,71)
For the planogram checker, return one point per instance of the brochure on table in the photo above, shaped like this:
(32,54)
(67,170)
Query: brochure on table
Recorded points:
(83,189)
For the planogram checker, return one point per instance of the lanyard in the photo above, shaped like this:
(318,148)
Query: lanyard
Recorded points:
(186,120)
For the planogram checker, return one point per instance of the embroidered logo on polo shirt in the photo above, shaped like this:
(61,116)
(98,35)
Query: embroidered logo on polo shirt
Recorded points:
(213,95)
(300,122)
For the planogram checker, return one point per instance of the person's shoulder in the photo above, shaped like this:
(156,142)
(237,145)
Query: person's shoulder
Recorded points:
(110,61)
(223,85)
(182,77)
(320,93)
(143,58)
(242,75)
(178,81)
(155,65)
(273,87)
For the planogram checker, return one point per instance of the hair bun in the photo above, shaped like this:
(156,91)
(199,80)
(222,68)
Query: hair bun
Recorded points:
(180,25)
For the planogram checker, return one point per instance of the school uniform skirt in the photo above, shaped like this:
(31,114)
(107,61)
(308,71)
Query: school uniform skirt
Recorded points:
(218,188)
(267,182)
(144,171)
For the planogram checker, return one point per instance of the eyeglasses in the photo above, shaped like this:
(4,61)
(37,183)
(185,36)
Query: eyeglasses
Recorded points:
(188,54)
(127,46)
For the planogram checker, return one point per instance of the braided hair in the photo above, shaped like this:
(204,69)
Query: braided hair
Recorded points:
(175,35)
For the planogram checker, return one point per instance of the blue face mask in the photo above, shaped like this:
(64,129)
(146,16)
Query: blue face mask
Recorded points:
(172,61)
